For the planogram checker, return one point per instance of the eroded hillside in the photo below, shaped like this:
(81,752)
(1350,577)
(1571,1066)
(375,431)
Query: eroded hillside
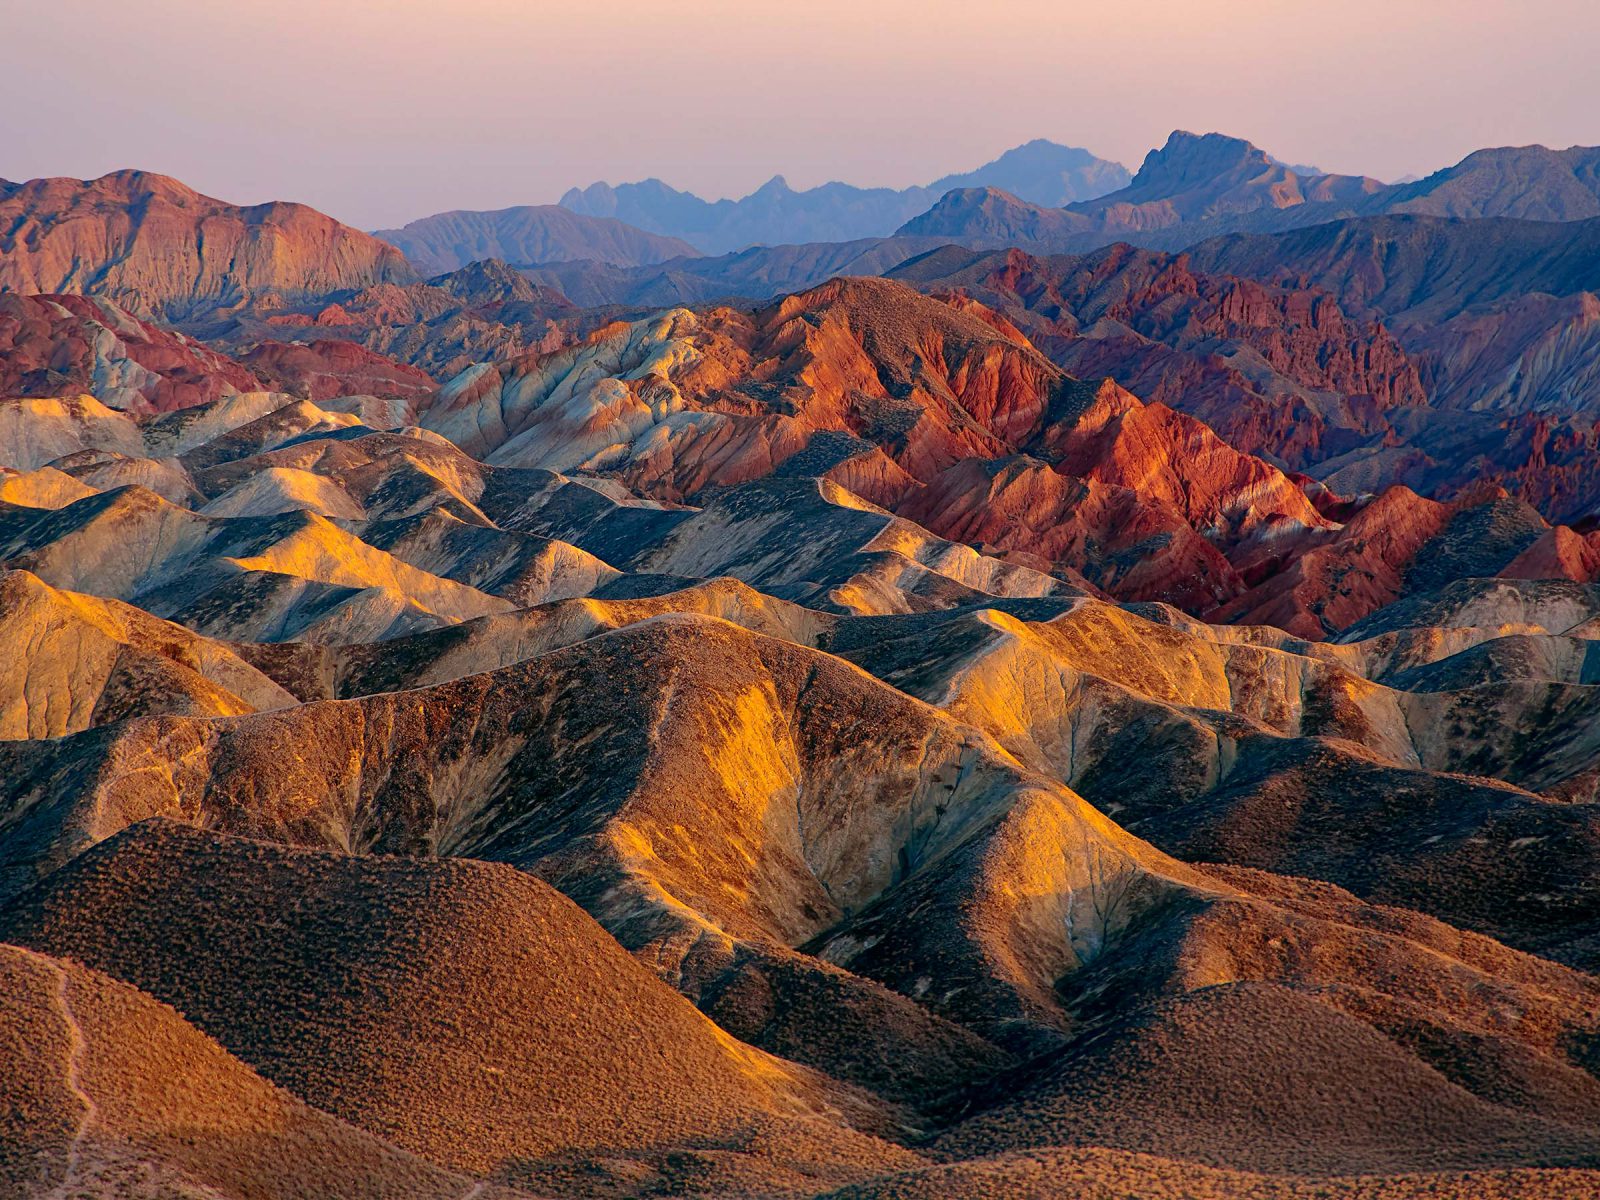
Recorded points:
(816,749)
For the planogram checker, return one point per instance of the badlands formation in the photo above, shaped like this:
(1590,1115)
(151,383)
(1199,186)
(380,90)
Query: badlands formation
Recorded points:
(1030,726)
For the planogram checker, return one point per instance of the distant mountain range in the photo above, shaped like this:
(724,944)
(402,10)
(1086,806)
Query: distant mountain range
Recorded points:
(755,273)
(1198,186)
(136,237)
(1041,172)
(642,224)
(1040,196)
(1417,270)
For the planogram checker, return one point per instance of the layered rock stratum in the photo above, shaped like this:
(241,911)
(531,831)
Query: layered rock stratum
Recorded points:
(838,746)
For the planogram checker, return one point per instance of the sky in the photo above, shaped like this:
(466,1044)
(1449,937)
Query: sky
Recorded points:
(382,112)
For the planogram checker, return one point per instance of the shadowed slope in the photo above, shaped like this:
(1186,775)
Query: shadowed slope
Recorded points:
(488,643)
(79,661)
(518,567)
(106,1092)
(475,1017)
(530,233)
(251,578)
(592,765)
(827,866)
(1244,745)
(1098,1174)
(1255,1076)
(805,540)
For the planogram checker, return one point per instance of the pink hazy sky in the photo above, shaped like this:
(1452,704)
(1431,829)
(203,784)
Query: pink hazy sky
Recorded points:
(380,112)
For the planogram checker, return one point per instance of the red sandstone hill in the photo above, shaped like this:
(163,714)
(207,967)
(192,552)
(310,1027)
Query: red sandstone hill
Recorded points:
(940,411)
(70,345)
(945,413)
(158,247)
(1280,368)
(1501,320)
(1276,371)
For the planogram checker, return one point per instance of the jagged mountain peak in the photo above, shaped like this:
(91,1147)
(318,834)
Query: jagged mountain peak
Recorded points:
(1041,170)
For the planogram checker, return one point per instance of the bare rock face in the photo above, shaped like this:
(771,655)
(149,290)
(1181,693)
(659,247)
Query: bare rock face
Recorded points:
(43,487)
(1535,353)
(825,347)
(137,238)
(83,661)
(1499,318)
(1397,543)
(69,345)
(942,412)
(946,414)
(1024,510)
(37,432)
